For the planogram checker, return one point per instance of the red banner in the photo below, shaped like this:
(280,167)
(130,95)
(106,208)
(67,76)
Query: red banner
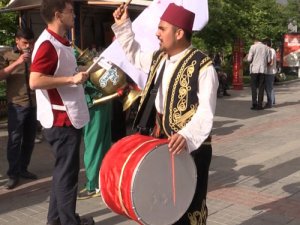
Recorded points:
(291,50)
(238,54)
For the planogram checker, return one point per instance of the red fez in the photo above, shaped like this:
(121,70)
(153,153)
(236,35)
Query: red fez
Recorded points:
(179,17)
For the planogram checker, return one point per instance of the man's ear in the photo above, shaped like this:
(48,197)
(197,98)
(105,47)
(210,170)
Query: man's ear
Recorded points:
(57,15)
(179,34)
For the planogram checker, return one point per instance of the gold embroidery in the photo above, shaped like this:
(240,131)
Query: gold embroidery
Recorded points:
(199,217)
(205,66)
(177,116)
(186,117)
(205,60)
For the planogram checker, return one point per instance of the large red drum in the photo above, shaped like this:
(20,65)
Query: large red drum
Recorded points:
(140,180)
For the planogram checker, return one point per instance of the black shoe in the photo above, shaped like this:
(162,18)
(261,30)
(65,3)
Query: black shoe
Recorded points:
(57,222)
(84,220)
(259,108)
(226,94)
(28,175)
(254,107)
(12,183)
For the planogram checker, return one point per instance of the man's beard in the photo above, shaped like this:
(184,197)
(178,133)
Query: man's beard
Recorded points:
(161,47)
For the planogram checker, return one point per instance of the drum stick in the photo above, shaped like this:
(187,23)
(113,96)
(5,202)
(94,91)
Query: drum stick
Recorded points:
(94,63)
(173,178)
(124,5)
(128,2)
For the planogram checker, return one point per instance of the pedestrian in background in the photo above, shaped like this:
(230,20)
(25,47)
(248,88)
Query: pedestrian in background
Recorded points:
(21,107)
(270,76)
(259,57)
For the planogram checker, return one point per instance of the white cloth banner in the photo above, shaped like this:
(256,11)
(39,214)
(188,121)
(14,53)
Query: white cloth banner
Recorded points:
(145,27)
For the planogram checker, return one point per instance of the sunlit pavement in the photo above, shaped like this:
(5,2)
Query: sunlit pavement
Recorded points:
(254,175)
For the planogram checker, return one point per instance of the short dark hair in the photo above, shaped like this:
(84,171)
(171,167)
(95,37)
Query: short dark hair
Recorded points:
(267,41)
(188,35)
(49,7)
(25,33)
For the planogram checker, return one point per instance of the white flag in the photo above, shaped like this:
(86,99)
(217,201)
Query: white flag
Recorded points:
(145,27)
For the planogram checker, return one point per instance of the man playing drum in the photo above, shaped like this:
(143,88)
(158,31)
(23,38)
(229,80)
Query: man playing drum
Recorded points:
(185,99)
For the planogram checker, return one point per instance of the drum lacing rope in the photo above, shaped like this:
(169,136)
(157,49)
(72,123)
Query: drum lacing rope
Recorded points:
(122,172)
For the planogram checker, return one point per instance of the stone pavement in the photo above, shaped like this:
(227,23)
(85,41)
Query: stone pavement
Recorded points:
(254,175)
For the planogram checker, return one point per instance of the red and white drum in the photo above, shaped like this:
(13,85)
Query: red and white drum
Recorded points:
(139,179)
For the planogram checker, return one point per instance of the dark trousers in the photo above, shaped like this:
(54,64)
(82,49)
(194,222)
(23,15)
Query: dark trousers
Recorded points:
(197,212)
(118,122)
(257,82)
(21,134)
(65,143)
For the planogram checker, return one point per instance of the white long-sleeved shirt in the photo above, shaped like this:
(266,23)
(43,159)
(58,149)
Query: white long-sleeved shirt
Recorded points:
(259,56)
(199,127)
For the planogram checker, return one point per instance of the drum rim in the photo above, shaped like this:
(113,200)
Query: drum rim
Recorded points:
(120,196)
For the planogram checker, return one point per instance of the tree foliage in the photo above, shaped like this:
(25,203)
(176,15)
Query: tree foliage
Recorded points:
(8,24)
(245,19)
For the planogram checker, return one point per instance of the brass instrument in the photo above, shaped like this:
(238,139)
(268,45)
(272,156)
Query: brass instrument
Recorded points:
(83,57)
(133,93)
(108,78)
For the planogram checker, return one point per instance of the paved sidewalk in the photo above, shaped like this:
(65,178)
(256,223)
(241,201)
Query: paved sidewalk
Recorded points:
(254,175)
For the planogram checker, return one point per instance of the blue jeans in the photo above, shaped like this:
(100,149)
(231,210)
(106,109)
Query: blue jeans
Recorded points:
(269,81)
(21,134)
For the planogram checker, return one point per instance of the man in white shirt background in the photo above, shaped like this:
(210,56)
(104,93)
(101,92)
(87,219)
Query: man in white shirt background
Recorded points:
(259,58)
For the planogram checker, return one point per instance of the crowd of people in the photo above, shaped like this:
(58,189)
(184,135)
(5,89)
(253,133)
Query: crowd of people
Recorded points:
(62,103)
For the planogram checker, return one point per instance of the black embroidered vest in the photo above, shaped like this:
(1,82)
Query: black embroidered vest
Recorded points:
(181,101)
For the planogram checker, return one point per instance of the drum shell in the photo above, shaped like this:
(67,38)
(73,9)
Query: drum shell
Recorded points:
(117,174)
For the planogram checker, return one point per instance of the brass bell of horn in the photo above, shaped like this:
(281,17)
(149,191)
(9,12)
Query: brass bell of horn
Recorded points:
(133,93)
(111,82)
(108,81)
(83,57)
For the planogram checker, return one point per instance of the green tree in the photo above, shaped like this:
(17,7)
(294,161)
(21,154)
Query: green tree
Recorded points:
(8,24)
(230,20)
(292,12)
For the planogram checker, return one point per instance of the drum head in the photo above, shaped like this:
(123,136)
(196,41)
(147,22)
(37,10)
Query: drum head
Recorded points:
(152,186)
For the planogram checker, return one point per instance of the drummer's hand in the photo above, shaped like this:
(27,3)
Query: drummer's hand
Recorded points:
(177,143)
(80,78)
(121,14)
